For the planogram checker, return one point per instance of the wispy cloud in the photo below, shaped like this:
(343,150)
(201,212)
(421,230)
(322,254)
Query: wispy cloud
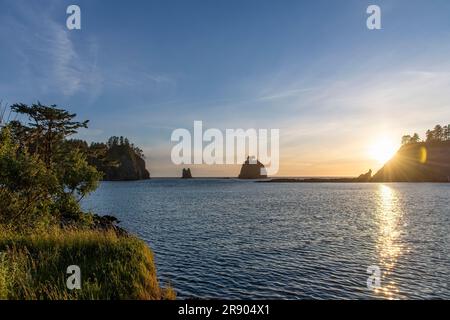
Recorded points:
(285,94)
(48,56)
(127,77)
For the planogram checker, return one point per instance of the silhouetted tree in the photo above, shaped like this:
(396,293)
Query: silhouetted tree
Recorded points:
(447,132)
(438,133)
(47,127)
(430,135)
(406,139)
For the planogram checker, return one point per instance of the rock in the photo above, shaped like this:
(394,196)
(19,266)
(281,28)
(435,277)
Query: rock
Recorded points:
(130,166)
(252,169)
(108,223)
(186,174)
(365,177)
(99,223)
(418,162)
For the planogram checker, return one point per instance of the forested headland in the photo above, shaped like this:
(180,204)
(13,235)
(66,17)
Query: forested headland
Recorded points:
(44,230)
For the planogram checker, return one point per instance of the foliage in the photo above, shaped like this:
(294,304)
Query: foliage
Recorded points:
(112,267)
(406,139)
(42,179)
(47,128)
(124,142)
(111,157)
(439,133)
(26,186)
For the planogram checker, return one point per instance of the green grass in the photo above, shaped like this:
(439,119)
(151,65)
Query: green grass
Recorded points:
(112,267)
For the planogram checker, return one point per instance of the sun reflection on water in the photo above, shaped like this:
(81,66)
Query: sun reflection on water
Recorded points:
(389,248)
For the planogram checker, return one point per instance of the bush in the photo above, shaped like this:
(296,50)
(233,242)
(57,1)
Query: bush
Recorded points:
(42,179)
(25,186)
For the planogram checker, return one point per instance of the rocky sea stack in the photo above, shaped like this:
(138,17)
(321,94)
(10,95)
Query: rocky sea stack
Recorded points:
(252,169)
(186,174)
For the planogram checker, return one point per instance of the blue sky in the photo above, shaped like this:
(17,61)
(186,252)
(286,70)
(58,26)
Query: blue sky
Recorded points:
(309,68)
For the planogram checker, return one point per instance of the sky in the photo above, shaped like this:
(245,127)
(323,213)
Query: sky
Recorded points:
(311,69)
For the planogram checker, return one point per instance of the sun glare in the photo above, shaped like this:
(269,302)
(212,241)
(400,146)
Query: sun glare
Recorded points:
(382,150)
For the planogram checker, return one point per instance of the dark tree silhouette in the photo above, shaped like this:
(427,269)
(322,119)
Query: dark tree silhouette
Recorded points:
(439,133)
(406,139)
(47,127)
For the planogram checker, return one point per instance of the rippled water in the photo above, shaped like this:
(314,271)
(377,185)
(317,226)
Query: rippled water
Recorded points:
(241,239)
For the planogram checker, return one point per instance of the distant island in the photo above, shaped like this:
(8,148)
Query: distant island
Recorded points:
(415,161)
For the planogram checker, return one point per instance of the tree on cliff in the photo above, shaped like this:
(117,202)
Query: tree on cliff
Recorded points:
(123,141)
(410,139)
(447,132)
(439,133)
(118,159)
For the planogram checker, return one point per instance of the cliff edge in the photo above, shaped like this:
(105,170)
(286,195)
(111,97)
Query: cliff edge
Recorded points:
(129,165)
(418,162)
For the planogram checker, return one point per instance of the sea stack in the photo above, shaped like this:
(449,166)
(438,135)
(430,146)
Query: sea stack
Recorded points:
(252,169)
(186,174)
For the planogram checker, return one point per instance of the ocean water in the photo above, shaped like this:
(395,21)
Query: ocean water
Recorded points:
(241,239)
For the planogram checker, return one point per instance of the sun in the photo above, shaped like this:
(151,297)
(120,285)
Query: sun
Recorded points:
(382,149)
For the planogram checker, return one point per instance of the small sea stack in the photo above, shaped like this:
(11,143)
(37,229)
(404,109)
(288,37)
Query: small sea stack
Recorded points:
(186,174)
(252,169)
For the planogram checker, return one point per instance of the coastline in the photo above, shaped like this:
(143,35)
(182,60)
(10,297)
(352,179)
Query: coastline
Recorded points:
(338,180)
